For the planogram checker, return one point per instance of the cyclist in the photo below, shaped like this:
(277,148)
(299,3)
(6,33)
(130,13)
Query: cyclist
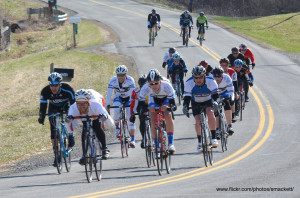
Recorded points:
(59,95)
(226,90)
(177,67)
(242,76)
(235,55)
(123,85)
(201,19)
(171,62)
(207,67)
(161,94)
(224,63)
(201,90)
(134,103)
(247,54)
(186,20)
(89,102)
(153,20)
(168,56)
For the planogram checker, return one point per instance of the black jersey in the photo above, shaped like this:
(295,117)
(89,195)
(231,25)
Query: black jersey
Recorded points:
(154,19)
(232,59)
(65,94)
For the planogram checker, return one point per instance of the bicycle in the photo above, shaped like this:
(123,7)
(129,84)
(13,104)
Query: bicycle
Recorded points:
(61,140)
(223,127)
(185,36)
(92,148)
(124,132)
(153,35)
(240,103)
(201,38)
(205,136)
(162,153)
(179,93)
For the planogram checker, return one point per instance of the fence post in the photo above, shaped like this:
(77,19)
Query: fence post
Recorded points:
(29,13)
(51,67)
(0,37)
(74,34)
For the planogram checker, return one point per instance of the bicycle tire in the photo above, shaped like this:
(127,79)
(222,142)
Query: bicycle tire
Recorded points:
(241,106)
(153,36)
(126,137)
(223,131)
(148,148)
(89,160)
(122,139)
(204,145)
(210,148)
(58,151)
(167,157)
(159,160)
(98,159)
(67,159)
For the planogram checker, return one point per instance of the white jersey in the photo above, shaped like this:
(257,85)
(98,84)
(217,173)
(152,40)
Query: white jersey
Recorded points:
(95,108)
(96,97)
(203,93)
(167,57)
(226,85)
(166,90)
(123,91)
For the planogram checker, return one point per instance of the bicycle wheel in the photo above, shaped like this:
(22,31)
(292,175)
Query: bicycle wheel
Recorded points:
(167,157)
(204,145)
(241,105)
(122,143)
(223,131)
(158,151)
(98,159)
(187,39)
(209,145)
(58,151)
(89,160)
(178,92)
(148,148)
(67,159)
(153,36)
(126,137)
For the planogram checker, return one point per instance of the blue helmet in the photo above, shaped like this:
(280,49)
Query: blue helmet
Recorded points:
(55,78)
(176,56)
(238,63)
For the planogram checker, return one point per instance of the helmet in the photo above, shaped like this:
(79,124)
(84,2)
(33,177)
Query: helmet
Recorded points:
(55,78)
(224,60)
(234,49)
(238,63)
(82,95)
(172,50)
(142,80)
(203,63)
(121,69)
(201,13)
(186,12)
(153,11)
(243,46)
(153,75)
(198,70)
(218,71)
(176,56)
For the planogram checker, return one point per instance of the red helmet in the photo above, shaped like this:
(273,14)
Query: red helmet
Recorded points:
(243,46)
(203,63)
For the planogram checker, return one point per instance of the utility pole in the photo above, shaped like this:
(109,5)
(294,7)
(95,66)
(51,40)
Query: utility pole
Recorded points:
(190,6)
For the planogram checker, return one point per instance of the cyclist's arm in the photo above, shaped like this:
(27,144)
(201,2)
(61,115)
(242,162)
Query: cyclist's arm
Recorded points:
(158,20)
(206,21)
(134,102)
(191,19)
(43,101)
(251,56)
(109,92)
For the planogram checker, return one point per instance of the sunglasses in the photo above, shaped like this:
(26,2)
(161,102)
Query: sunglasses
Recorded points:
(200,77)
(217,76)
(235,53)
(82,104)
(156,83)
(54,85)
(121,75)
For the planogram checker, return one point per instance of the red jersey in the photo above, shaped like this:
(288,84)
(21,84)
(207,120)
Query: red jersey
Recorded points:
(248,54)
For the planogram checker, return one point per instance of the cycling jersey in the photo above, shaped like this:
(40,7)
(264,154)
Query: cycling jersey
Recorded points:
(96,97)
(232,74)
(167,57)
(57,101)
(203,93)
(186,20)
(152,20)
(226,86)
(248,54)
(123,90)
(201,20)
(232,59)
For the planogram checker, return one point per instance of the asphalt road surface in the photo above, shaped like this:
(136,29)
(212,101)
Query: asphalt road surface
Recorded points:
(263,154)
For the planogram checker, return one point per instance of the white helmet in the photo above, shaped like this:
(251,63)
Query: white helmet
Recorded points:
(121,69)
(82,95)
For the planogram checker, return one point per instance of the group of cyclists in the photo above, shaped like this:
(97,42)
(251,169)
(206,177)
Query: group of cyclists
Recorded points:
(205,88)
(186,20)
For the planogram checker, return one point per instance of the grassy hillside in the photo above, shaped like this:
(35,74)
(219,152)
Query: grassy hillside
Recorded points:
(280,31)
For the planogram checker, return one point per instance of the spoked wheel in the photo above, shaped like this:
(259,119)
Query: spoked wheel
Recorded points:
(98,160)
(126,138)
(241,106)
(58,152)
(187,39)
(167,157)
(204,145)
(178,95)
(148,146)
(153,36)
(159,154)
(209,147)
(122,140)
(223,131)
(89,161)
(67,159)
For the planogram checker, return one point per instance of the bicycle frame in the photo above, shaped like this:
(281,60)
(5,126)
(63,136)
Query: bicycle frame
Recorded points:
(153,35)
(186,35)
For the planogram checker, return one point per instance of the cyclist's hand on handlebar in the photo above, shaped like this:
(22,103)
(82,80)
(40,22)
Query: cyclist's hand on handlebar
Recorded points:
(132,118)
(41,119)
(215,106)
(103,117)
(159,27)
(250,83)
(149,26)
(108,108)
(69,118)
(185,110)
(253,65)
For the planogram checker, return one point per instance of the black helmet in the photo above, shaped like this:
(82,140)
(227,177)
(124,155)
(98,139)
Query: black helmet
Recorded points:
(234,49)
(153,75)
(153,11)
(198,70)
(142,80)
(55,78)
(172,50)
(218,71)
(201,13)
(224,60)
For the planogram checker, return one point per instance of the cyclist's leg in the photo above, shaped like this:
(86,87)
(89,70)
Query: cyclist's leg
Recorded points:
(101,137)
(156,27)
(211,121)
(131,125)
(190,28)
(173,80)
(196,114)
(181,82)
(203,30)
(181,29)
(117,102)
(246,88)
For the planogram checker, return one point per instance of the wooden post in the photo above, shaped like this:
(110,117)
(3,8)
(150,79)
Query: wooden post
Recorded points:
(29,14)
(51,67)
(40,12)
(0,37)
(74,34)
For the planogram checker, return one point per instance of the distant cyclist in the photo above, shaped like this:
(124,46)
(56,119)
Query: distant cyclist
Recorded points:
(60,95)
(171,62)
(201,90)
(207,67)
(153,20)
(133,108)
(177,67)
(247,54)
(168,55)
(89,102)
(235,54)
(186,20)
(122,85)
(201,20)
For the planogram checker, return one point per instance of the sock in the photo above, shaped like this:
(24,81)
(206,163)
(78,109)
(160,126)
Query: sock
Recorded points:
(133,138)
(213,134)
(171,137)
(199,138)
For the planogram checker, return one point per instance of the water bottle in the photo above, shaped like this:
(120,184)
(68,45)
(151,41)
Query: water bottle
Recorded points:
(165,138)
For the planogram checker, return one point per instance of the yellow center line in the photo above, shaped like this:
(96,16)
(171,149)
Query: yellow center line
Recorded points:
(217,165)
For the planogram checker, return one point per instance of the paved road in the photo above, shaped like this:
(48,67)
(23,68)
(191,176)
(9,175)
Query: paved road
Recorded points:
(263,153)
